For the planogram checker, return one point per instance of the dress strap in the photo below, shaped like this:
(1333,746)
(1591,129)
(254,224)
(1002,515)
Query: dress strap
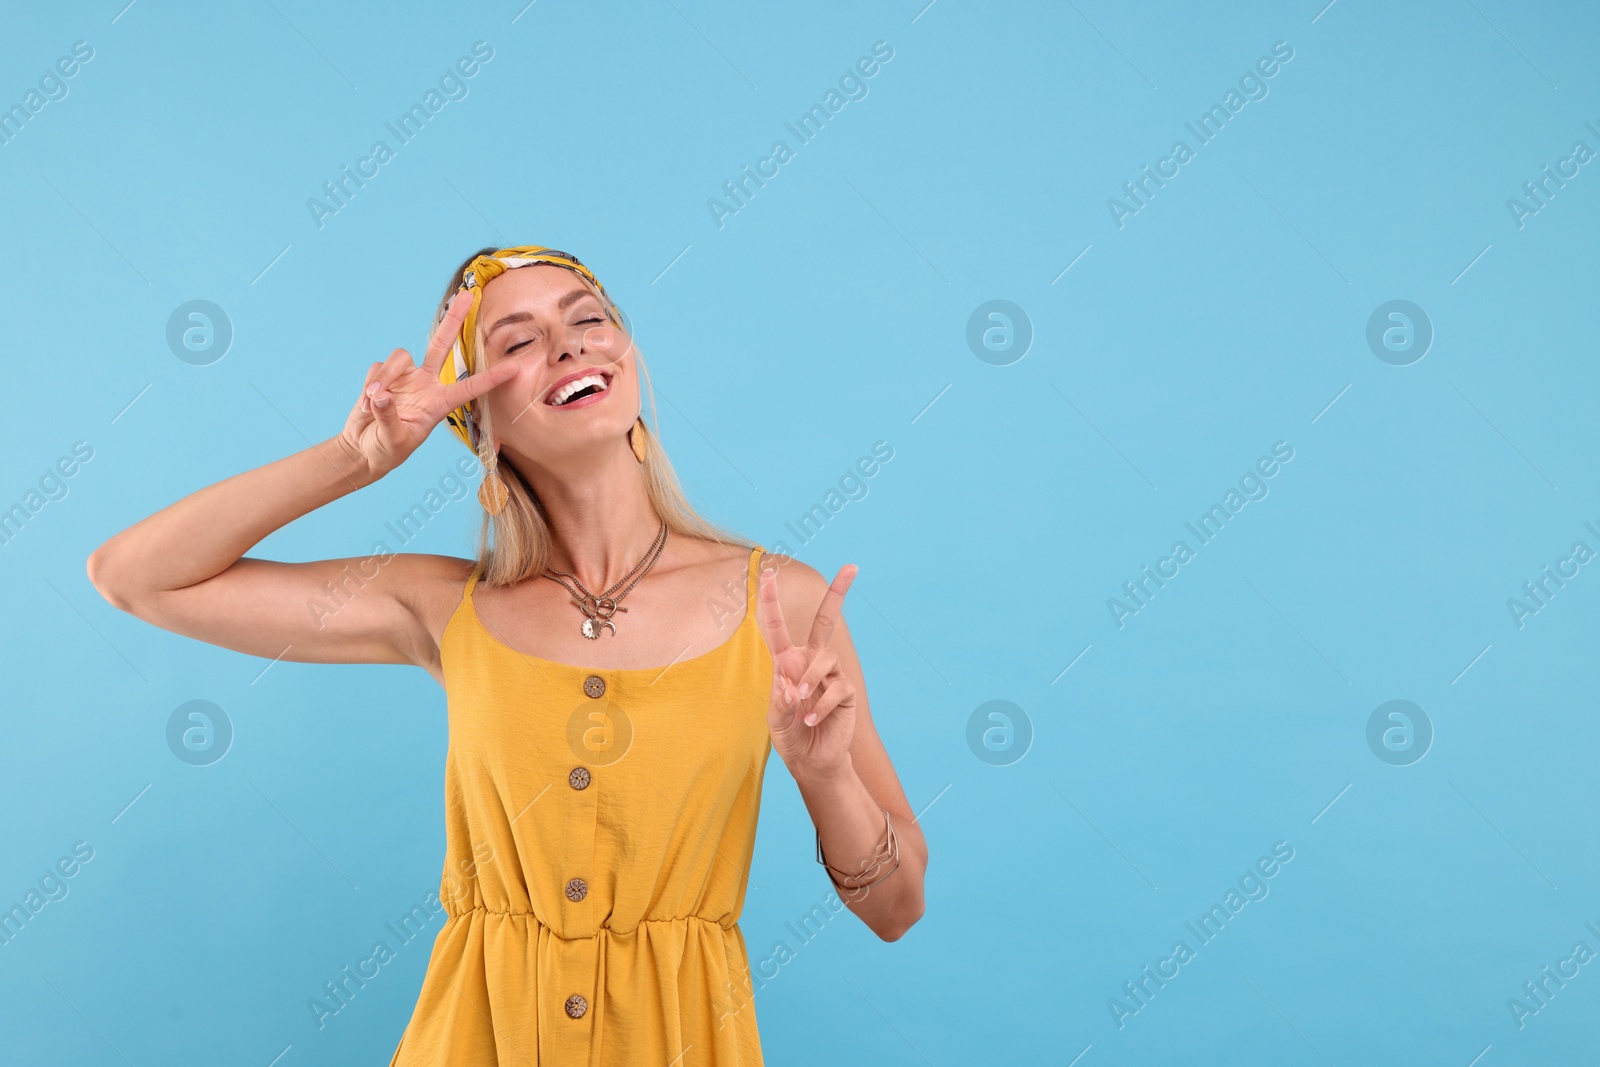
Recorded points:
(752,579)
(472,580)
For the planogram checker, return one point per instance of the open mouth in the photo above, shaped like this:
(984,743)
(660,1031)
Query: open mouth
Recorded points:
(578,390)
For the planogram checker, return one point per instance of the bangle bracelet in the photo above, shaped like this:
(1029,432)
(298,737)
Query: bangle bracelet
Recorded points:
(886,852)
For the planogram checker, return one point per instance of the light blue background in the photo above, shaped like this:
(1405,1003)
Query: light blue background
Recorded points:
(828,314)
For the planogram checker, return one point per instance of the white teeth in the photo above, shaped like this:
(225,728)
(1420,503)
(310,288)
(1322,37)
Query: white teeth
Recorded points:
(562,395)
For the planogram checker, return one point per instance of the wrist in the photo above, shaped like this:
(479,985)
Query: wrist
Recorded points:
(349,460)
(830,777)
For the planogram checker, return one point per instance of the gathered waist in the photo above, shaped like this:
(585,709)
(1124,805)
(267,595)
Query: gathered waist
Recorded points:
(451,916)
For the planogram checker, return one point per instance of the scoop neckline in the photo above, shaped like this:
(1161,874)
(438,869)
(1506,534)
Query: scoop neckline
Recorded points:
(471,605)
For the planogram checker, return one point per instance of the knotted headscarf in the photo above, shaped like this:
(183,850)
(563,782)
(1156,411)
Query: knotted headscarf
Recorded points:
(463,358)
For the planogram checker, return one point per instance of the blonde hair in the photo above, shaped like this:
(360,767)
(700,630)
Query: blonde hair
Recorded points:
(515,544)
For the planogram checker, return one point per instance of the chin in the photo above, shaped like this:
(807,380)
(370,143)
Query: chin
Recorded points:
(582,435)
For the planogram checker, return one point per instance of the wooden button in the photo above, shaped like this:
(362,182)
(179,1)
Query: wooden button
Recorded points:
(594,686)
(578,778)
(577,889)
(576,1006)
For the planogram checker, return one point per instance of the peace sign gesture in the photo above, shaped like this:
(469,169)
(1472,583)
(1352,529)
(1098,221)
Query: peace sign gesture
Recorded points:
(401,402)
(812,715)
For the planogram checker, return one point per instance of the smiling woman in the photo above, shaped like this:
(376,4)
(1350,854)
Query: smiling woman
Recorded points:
(605,930)
(499,327)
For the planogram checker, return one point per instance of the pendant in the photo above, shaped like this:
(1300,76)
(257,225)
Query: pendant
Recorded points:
(591,628)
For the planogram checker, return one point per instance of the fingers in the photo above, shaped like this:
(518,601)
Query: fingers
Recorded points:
(398,363)
(372,374)
(381,402)
(390,370)
(787,667)
(769,611)
(836,693)
(377,396)
(444,336)
(475,385)
(832,604)
(823,663)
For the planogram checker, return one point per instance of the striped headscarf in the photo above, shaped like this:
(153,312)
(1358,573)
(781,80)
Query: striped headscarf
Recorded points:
(463,358)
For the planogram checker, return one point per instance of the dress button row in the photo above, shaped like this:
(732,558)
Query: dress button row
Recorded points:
(576,1006)
(578,778)
(594,686)
(577,889)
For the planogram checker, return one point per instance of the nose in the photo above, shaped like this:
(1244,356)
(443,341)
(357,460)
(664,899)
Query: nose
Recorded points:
(567,345)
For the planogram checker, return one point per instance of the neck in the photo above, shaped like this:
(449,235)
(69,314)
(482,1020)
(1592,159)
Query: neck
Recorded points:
(600,517)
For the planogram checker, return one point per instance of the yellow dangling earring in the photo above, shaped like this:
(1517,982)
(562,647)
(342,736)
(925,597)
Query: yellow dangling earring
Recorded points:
(492,492)
(636,438)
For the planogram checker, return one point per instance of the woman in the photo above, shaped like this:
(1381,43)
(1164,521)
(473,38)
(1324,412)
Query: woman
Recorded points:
(607,748)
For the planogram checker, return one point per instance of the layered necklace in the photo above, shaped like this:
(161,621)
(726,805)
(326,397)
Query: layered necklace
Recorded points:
(598,608)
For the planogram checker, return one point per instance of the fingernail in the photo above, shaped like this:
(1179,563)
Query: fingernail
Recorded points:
(811,720)
(804,689)
(372,390)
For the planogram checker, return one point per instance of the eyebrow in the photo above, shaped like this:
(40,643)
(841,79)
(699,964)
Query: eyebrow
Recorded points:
(523,316)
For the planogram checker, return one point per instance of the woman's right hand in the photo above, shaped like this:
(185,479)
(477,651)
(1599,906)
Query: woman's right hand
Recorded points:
(401,402)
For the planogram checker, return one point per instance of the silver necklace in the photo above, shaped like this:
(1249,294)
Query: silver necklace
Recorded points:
(598,609)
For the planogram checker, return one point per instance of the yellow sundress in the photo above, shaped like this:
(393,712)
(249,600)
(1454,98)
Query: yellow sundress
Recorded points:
(599,830)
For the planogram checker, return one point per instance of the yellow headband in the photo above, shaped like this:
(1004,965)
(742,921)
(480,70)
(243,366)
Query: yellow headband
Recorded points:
(480,272)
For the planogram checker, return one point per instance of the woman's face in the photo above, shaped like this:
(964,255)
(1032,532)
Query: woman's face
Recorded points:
(539,316)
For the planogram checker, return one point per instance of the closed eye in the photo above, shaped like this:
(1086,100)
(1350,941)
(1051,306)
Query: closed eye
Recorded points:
(519,344)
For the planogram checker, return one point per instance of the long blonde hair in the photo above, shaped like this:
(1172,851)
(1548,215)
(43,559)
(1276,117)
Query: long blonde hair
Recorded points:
(515,544)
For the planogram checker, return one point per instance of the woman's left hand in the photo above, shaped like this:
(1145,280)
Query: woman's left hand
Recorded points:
(812,715)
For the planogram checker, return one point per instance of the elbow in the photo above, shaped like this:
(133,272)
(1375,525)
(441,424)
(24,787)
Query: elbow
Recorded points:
(904,917)
(898,930)
(910,910)
(103,577)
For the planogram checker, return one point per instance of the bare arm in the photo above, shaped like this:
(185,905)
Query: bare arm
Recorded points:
(839,762)
(184,568)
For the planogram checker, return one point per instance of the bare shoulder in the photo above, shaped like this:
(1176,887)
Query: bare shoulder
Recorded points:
(796,572)
(801,588)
